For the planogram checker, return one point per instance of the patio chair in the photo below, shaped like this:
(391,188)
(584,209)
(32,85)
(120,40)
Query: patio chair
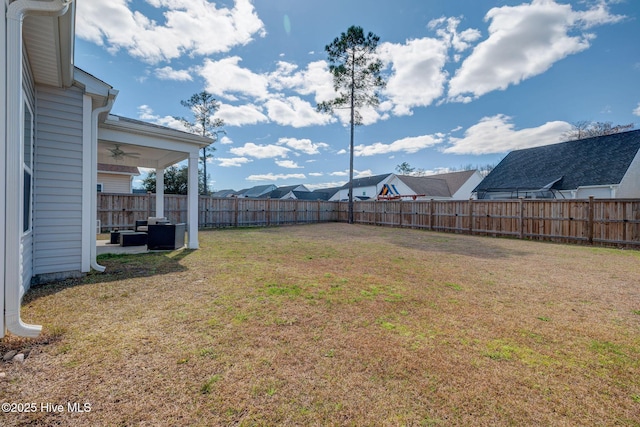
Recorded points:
(152,220)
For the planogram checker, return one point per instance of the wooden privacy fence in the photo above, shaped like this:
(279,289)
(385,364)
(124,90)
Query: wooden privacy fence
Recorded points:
(118,211)
(609,222)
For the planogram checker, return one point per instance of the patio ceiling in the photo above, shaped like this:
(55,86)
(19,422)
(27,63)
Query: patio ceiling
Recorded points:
(128,142)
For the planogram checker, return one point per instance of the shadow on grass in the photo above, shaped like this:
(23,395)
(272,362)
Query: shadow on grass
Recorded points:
(118,267)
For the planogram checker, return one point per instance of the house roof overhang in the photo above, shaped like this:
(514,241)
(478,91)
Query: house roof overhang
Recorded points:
(49,43)
(147,145)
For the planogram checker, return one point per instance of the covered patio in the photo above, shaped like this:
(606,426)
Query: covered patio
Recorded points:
(129,142)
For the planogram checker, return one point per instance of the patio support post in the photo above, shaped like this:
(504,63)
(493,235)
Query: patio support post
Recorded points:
(192,202)
(160,192)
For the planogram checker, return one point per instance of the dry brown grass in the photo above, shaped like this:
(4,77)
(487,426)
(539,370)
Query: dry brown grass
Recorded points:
(338,324)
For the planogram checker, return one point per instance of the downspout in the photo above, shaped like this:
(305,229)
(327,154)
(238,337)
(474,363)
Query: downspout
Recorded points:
(16,12)
(94,174)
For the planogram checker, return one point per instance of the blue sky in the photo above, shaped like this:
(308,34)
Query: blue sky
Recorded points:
(467,81)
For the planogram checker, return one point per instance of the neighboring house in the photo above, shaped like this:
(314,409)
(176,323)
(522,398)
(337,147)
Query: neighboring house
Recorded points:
(287,192)
(224,193)
(310,195)
(326,193)
(259,191)
(445,186)
(363,188)
(602,167)
(56,129)
(116,178)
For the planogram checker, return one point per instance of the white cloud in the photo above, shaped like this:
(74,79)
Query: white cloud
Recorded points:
(225,78)
(356,173)
(304,145)
(325,185)
(168,73)
(524,41)
(362,174)
(406,145)
(247,114)
(316,174)
(260,151)
(296,112)
(225,140)
(447,29)
(146,114)
(637,110)
(497,134)
(315,79)
(193,27)
(289,164)
(232,161)
(275,177)
(417,72)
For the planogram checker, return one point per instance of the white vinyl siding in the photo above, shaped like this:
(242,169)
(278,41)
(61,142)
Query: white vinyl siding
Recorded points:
(58,181)
(114,183)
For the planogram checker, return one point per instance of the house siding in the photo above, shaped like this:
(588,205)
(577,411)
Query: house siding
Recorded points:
(57,233)
(630,184)
(112,183)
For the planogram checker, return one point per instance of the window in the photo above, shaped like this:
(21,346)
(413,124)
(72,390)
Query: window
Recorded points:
(100,186)
(27,163)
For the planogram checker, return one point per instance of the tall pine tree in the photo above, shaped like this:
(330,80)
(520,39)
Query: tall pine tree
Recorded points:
(203,106)
(357,78)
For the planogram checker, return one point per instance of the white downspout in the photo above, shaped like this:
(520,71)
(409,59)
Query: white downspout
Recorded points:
(16,13)
(94,174)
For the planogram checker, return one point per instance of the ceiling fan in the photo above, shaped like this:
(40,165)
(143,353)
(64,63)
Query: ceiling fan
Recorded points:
(118,154)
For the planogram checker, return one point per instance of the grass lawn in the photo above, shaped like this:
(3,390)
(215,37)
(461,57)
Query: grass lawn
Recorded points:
(337,324)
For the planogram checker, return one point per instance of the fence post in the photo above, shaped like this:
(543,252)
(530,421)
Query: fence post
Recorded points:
(431,214)
(400,211)
(375,214)
(268,213)
(235,212)
(521,207)
(590,220)
(318,214)
(470,216)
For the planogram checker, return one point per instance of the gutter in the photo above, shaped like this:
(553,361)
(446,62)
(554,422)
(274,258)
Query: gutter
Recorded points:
(13,281)
(94,174)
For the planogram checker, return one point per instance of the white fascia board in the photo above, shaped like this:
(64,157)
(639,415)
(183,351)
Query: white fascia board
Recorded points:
(172,136)
(67,33)
(91,85)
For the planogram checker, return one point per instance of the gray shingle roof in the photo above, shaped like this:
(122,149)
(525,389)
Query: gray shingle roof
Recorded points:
(258,190)
(429,186)
(328,191)
(310,195)
(367,181)
(440,185)
(600,160)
